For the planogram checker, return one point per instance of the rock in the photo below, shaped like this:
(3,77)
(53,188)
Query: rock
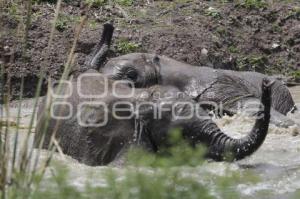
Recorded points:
(204,51)
(275,46)
(295,132)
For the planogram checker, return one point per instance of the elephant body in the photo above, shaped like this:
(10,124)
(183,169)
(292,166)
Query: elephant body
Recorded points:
(225,88)
(73,121)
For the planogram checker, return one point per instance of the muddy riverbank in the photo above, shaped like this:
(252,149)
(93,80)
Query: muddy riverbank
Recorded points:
(232,35)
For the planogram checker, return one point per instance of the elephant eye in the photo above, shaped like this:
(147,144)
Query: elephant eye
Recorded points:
(129,73)
(132,75)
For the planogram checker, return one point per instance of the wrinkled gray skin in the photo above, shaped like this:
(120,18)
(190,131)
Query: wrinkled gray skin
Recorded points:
(203,84)
(105,144)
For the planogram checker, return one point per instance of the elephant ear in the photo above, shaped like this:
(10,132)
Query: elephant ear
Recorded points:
(229,89)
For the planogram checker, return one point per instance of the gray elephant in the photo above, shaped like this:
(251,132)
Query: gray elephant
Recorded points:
(225,90)
(88,127)
(228,89)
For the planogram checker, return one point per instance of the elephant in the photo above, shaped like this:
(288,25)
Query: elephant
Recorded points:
(226,91)
(215,88)
(96,120)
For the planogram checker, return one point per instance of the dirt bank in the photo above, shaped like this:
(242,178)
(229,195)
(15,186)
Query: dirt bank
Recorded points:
(239,36)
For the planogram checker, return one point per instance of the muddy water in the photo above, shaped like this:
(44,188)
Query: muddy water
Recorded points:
(276,163)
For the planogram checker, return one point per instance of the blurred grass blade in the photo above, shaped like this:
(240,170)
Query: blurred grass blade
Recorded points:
(16,140)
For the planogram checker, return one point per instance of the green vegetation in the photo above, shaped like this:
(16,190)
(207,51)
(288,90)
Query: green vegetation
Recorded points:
(61,23)
(253,4)
(171,174)
(296,75)
(294,13)
(14,11)
(296,10)
(124,46)
(276,28)
(253,63)
(96,3)
(213,12)
(233,49)
(179,153)
(124,2)
(64,21)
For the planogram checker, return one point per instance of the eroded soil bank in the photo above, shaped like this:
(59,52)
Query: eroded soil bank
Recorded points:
(231,35)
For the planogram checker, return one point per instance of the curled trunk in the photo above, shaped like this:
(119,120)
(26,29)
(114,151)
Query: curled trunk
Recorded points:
(222,147)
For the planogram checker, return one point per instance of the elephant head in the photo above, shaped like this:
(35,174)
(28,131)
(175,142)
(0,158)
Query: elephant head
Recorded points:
(140,68)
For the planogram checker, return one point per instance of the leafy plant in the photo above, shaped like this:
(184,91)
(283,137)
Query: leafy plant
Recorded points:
(61,23)
(124,2)
(213,12)
(296,75)
(253,4)
(172,173)
(96,3)
(124,46)
(233,49)
(253,63)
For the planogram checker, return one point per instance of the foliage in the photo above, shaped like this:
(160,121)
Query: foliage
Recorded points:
(124,46)
(233,49)
(49,1)
(294,13)
(213,12)
(14,11)
(124,2)
(179,153)
(96,3)
(253,63)
(253,4)
(296,75)
(170,174)
(61,23)
(64,21)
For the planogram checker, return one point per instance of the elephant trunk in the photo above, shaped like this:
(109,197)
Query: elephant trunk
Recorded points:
(97,57)
(221,147)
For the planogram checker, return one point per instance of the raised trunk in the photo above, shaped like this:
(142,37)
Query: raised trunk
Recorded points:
(221,147)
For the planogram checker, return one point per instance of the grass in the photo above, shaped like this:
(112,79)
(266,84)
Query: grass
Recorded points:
(61,23)
(233,49)
(124,2)
(294,13)
(18,176)
(253,4)
(124,46)
(296,75)
(256,63)
(96,3)
(213,12)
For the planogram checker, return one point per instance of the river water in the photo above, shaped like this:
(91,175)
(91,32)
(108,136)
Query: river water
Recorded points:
(277,162)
